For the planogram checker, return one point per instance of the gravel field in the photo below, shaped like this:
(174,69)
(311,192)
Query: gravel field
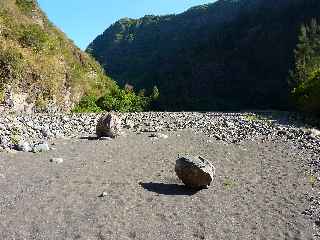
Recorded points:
(78,187)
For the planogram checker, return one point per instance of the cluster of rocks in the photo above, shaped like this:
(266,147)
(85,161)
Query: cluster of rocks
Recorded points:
(26,131)
(31,132)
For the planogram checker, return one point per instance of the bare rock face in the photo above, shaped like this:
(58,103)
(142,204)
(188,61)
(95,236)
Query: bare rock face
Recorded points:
(109,125)
(195,172)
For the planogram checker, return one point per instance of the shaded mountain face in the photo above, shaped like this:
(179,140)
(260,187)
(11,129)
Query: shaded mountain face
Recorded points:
(39,65)
(227,55)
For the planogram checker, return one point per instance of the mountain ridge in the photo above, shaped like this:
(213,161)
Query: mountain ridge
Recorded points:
(235,56)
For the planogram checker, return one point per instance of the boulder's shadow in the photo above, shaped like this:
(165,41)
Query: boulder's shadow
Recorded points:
(168,189)
(92,138)
(95,138)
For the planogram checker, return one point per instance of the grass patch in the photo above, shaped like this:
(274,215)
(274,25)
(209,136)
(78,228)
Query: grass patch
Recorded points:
(34,37)
(40,103)
(228,183)
(312,180)
(15,139)
(258,118)
(251,117)
(2,96)
(11,65)
(15,136)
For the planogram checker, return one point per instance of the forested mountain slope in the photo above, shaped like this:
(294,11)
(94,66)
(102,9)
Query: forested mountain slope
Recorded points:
(39,64)
(222,56)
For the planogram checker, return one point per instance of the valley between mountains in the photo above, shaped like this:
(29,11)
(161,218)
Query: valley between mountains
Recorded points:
(178,85)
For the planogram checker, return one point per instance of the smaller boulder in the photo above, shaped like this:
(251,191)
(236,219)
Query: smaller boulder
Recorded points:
(41,147)
(103,194)
(159,135)
(109,125)
(195,172)
(23,146)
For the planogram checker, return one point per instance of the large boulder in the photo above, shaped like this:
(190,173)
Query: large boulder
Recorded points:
(109,125)
(195,172)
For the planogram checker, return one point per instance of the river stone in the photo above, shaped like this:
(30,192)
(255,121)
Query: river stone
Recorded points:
(129,124)
(24,147)
(56,160)
(195,172)
(41,147)
(109,125)
(159,135)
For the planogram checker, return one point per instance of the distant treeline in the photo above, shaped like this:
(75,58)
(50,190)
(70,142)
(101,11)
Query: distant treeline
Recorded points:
(228,55)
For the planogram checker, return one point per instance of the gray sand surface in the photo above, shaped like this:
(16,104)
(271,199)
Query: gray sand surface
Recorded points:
(258,193)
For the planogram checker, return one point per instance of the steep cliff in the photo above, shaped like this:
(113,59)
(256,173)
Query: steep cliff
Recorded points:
(39,66)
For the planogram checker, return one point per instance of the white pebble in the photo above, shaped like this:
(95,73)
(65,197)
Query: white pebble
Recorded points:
(56,160)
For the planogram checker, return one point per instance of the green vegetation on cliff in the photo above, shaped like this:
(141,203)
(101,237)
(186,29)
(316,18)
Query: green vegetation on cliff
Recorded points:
(121,100)
(40,62)
(223,56)
(305,77)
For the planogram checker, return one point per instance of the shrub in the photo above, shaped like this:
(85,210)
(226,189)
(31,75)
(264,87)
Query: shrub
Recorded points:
(123,101)
(33,36)
(11,65)
(305,78)
(307,95)
(7,25)
(154,98)
(40,103)
(116,99)
(107,102)
(26,6)
(155,93)
(87,104)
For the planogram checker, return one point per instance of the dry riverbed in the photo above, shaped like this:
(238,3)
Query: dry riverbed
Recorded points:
(266,184)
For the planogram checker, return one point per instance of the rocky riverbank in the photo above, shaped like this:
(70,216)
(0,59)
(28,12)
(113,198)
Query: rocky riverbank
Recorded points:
(17,130)
(266,184)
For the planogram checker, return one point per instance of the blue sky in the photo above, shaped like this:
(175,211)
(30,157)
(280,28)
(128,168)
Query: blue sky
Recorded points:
(83,20)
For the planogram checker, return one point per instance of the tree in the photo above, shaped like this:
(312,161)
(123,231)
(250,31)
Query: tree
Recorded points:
(154,99)
(142,93)
(155,93)
(305,77)
(128,88)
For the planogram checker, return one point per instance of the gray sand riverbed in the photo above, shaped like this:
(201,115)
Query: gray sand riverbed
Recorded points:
(259,191)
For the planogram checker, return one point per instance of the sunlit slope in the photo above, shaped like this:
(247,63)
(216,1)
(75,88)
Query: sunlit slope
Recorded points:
(39,65)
